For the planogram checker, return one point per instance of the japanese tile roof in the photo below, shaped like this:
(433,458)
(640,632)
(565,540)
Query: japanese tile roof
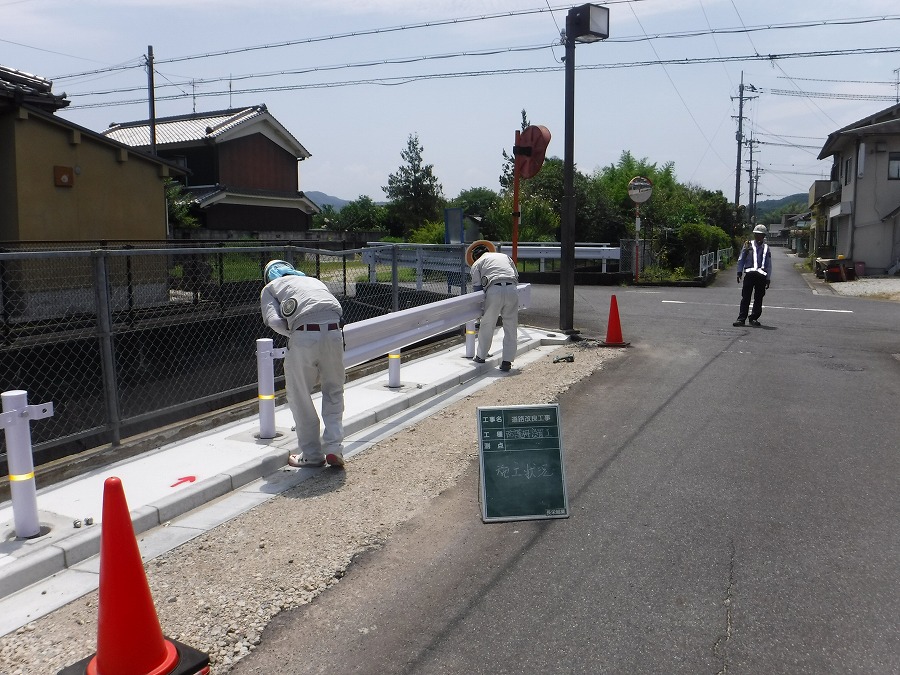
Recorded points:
(20,88)
(884,122)
(204,195)
(199,127)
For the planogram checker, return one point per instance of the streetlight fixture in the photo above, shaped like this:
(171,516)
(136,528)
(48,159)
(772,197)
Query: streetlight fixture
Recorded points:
(587,23)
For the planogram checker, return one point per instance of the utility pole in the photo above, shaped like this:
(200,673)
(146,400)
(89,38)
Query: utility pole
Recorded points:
(753,179)
(739,136)
(151,95)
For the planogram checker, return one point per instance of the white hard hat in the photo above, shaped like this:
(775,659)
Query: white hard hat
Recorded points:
(279,268)
(760,229)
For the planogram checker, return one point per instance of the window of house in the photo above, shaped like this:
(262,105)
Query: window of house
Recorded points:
(848,168)
(894,166)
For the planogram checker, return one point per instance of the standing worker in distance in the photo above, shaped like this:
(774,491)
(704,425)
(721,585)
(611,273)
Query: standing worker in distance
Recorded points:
(755,266)
(496,275)
(302,308)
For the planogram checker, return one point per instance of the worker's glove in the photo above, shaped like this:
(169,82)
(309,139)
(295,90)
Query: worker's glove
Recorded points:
(767,284)
(739,277)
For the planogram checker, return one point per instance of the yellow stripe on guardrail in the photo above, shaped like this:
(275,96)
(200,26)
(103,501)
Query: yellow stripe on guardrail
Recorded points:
(13,477)
(394,356)
(266,397)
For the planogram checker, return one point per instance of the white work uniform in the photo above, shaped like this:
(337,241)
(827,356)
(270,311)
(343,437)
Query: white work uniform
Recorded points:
(290,305)
(497,274)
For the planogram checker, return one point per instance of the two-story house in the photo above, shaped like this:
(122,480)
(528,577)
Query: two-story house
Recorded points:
(863,205)
(242,168)
(60,182)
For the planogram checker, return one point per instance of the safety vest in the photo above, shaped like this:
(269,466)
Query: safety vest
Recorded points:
(758,264)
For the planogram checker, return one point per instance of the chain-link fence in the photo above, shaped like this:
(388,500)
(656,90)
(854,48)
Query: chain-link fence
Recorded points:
(645,257)
(123,340)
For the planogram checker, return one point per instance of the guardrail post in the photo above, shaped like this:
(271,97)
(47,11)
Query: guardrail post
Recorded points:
(471,337)
(394,369)
(265,369)
(22,487)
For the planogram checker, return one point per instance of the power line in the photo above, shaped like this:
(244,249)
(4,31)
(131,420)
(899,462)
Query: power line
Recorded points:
(790,145)
(829,94)
(400,80)
(351,34)
(821,79)
(378,31)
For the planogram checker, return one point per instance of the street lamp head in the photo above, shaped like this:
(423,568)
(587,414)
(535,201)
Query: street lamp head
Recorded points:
(588,23)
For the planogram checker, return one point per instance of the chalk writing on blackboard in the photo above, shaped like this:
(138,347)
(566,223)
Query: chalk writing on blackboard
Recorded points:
(522,471)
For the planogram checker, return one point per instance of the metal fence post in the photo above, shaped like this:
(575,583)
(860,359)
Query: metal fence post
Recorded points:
(395,279)
(22,487)
(105,338)
(265,369)
(463,282)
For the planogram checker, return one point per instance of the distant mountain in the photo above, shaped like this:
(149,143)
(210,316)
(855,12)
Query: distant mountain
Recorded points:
(769,205)
(322,200)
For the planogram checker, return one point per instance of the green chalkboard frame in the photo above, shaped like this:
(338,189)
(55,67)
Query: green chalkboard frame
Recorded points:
(520,452)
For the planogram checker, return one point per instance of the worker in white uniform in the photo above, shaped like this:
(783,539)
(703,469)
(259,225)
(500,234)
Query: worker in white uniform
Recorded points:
(496,275)
(302,308)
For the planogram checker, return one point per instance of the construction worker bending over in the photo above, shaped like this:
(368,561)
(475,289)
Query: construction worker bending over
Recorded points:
(496,275)
(302,308)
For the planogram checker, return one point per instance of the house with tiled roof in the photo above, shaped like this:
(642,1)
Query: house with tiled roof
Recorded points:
(60,182)
(241,168)
(861,210)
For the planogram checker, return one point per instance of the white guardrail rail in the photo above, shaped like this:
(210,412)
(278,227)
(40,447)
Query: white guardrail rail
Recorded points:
(381,336)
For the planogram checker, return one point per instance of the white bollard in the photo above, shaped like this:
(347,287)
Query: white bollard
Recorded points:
(22,486)
(471,336)
(265,369)
(394,370)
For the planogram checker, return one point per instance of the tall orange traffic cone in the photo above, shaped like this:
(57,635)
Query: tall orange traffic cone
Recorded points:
(129,638)
(613,327)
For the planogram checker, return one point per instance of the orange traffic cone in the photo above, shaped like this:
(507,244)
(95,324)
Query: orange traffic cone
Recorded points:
(129,638)
(613,327)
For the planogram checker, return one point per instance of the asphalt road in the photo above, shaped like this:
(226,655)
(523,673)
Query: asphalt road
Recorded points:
(735,509)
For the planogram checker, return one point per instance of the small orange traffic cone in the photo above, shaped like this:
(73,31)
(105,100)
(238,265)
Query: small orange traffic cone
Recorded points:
(613,327)
(129,638)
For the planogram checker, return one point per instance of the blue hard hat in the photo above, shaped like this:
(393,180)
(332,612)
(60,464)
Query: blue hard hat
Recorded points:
(279,268)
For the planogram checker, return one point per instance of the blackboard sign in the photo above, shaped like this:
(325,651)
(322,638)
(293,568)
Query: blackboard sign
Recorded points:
(522,473)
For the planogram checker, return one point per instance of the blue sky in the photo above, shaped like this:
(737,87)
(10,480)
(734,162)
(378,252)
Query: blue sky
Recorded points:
(351,81)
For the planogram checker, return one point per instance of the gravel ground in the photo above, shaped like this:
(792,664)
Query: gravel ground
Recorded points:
(873,288)
(218,592)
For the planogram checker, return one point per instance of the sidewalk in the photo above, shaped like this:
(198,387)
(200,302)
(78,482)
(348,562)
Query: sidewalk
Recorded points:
(183,489)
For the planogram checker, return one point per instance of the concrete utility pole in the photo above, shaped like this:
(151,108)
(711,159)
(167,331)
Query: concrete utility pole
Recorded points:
(739,136)
(753,183)
(151,95)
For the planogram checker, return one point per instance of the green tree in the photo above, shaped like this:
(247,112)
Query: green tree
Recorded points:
(362,214)
(326,218)
(179,205)
(506,173)
(430,233)
(415,195)
(475,201)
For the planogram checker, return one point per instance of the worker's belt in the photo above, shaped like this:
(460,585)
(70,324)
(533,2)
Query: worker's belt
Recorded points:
(504,283)
(317,326)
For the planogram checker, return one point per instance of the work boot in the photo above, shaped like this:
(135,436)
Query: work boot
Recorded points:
(506,365)
(739,322)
